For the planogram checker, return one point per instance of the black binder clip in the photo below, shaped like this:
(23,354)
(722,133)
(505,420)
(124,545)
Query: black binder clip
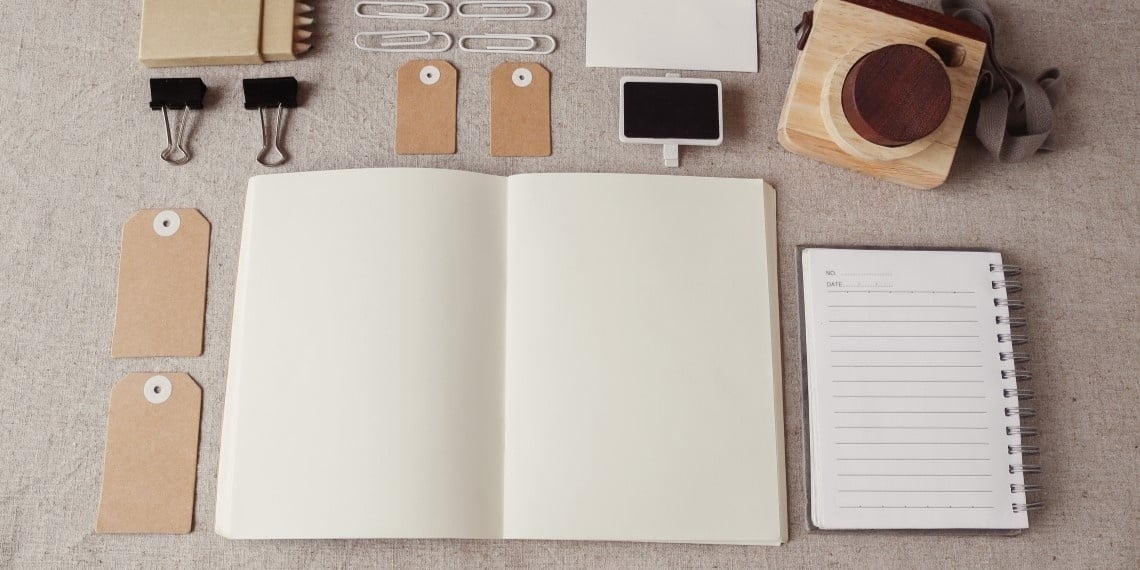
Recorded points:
(271,93)
(176,93)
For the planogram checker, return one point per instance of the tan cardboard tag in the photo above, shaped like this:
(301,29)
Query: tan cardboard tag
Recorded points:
(426,98)
(162,284)
(151,461)
(520,110)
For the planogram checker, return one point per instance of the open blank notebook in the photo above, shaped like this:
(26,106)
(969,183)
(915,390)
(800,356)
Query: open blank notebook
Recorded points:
(440,354)
(914,413)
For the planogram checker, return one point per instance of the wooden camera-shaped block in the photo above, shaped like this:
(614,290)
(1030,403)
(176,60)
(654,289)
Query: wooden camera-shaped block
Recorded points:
(882,87)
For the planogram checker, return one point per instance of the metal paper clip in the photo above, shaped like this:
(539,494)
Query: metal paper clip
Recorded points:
(185,94)
(529,44)
(271,93)
(507,10)
(392,10)
(404,41)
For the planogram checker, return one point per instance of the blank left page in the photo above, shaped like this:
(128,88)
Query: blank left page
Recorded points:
(364,396)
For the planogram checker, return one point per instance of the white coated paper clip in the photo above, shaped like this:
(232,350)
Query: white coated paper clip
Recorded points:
(500,10)
(404,41)
(423,10)
(523,43)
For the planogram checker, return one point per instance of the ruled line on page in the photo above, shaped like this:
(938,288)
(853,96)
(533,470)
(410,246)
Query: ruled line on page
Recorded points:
(909,381)
(909,507)
(905,351)
(912,443)
(902,306)
(857,322)
(905,336)
(914,427)
(912,459)
(915,475)
(906,366)
(914,491)
(907,412)
(896,397)
(905,292)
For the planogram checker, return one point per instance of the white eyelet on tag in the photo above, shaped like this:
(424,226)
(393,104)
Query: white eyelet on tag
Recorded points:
(157,389)
(166,223)
(429,75)
(522,77)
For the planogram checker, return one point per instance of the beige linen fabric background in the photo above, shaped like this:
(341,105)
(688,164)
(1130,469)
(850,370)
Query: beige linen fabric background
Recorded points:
(79,154)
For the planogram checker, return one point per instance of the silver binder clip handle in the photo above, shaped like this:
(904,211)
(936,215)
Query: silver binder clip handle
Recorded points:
(175,152)
(271,140)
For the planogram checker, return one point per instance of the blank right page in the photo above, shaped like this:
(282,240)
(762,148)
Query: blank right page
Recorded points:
(642,382)
(906,396)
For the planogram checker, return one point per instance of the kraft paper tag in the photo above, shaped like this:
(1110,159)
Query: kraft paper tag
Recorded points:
(162,284)
(520,110)
(426,98)
(151,462)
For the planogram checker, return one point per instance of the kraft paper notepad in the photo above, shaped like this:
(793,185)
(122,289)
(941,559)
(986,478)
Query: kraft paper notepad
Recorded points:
(441,354)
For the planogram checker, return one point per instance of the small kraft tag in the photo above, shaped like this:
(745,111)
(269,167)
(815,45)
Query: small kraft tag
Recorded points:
(161,305)
(426,100)
(151,460)
(520,110)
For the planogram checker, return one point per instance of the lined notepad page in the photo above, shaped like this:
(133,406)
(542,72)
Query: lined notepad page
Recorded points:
(906,405)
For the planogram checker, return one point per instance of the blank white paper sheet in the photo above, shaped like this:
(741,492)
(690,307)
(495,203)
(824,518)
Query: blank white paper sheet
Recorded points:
(705,35)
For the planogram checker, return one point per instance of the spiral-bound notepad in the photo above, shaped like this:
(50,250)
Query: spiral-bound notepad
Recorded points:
(914,413)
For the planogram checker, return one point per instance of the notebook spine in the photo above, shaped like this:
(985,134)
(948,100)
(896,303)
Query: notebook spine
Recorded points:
(1011,359)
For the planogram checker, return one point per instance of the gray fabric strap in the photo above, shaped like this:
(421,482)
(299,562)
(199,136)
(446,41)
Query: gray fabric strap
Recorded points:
(1015,114)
